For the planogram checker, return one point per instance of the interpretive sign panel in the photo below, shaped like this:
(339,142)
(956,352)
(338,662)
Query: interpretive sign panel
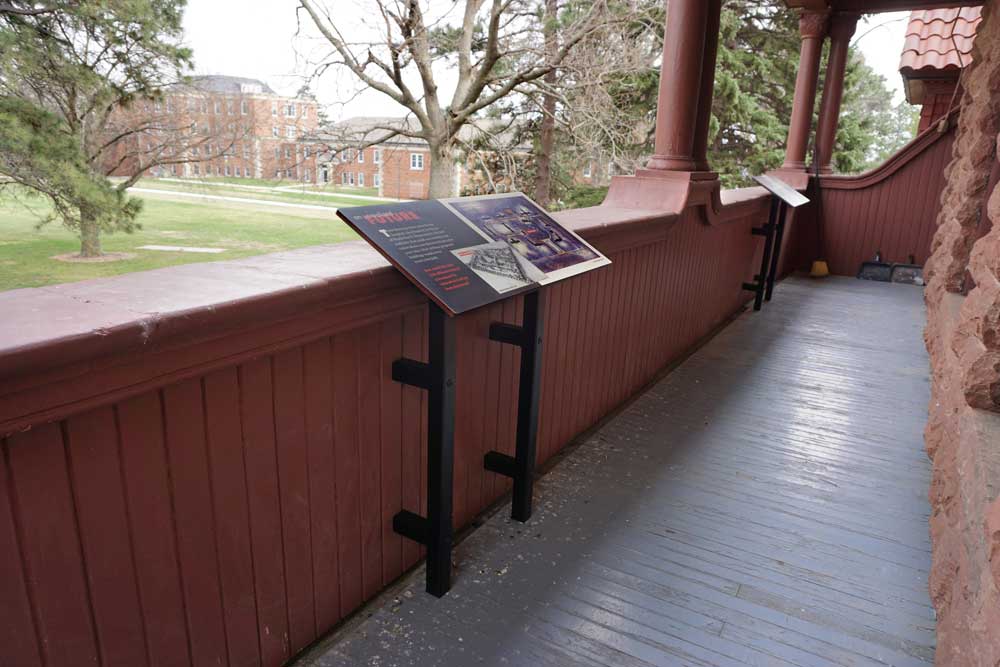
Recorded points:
(468,252)
(782,191)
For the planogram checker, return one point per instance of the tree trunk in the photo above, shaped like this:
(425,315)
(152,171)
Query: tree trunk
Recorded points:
(547,129)
(442,172)
(90,237)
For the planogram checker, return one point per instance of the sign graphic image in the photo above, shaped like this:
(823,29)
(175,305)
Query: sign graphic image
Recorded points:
(530,231)
(469,252)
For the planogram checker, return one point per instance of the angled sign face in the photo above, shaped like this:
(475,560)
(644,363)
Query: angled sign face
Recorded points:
(782,191)
(468,252)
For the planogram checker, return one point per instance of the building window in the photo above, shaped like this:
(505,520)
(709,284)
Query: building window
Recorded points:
(350,177)
(230,108)
(288,151)
(290,131)
(246,152)
(377,155)
(587,171)
(377,180)
(290,110)
(275,131)
(274,108)
(361,178)
(343,178)
(218,107)
(305,111)
(277,173)
(611,169)
(196,170)
(417,161)
(227,170)
(204,106)
(244,107)
(361,155)
(190,104)
(196,150)
(305,151)
(305,174)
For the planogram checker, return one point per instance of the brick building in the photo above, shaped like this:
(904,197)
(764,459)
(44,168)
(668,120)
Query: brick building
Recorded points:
(938,47)
(399,166)
(220,126)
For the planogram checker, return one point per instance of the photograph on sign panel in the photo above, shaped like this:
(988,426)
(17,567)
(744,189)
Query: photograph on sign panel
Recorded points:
(497,264)
(530,232)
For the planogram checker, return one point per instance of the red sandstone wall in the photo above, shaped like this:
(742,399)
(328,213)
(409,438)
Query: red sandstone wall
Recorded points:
(214,482)
(963,339)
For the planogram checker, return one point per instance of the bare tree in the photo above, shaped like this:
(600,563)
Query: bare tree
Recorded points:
(97,73)
(495,48)
(547,125)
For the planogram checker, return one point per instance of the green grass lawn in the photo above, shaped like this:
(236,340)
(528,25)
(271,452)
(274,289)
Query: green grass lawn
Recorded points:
(243,229)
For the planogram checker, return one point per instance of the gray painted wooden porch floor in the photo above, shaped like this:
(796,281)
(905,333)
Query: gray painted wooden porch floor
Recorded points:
(764,504)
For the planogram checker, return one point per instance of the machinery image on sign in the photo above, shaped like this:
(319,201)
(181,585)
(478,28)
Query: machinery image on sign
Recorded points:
(530,232)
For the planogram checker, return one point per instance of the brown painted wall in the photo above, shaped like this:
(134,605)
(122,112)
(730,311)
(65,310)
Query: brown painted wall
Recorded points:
(213,482)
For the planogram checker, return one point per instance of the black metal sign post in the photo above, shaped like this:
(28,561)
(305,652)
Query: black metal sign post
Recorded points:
(463,254)
(779,236)
(521,467)
(759,284)
(437,376)
(783,196)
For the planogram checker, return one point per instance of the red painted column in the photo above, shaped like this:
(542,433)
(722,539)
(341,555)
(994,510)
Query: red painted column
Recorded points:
(842,28)
(680,83)
(812,27)
(707,87)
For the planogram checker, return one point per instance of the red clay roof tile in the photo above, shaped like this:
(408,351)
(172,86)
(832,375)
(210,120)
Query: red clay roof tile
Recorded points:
(940,39)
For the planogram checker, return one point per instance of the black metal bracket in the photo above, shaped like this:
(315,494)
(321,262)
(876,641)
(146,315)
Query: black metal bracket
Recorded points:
(773,232)
(521,466)
(437,376)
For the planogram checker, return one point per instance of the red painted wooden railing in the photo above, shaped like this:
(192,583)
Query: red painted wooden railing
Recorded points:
(200,464)
(892,209)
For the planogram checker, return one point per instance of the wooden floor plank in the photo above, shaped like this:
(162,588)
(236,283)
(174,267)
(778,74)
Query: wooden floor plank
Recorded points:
(764,504)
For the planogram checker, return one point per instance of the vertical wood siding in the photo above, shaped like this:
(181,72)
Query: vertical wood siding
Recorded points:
(896,215)
(234,517)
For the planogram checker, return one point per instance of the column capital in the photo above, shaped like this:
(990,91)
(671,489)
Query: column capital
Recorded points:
(843,25)
(812,24)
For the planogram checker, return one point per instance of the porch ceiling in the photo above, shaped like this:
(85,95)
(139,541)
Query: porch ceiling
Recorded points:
(874,6)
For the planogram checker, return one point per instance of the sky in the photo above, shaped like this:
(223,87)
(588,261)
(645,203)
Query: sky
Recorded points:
(263,39)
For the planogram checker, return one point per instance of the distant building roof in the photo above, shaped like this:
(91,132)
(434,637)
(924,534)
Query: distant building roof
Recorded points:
(218,83)
(938,46)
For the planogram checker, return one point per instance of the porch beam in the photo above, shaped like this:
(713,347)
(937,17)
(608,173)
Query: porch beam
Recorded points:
(680,83)
(842,27)
(812,28)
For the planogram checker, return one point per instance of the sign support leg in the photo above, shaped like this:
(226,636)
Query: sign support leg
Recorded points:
(521,467)
(759,283)
(779,235)
(437,376)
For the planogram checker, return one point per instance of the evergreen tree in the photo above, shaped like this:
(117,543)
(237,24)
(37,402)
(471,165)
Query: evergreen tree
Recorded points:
(65,67)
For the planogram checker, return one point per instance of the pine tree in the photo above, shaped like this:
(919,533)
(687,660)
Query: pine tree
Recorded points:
(65,67)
